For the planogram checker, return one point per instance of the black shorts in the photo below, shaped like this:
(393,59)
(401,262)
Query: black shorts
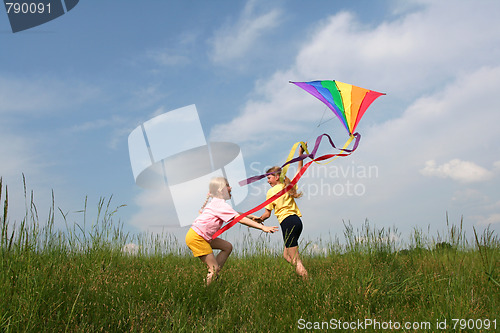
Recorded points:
(291,228)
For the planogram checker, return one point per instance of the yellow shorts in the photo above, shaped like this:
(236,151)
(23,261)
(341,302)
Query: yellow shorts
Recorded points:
(197,244)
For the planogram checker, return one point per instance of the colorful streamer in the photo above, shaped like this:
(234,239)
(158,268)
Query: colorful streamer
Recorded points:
(294,181)
(312,155)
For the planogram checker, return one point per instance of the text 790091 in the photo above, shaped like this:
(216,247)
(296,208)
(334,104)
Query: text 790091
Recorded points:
(27,8)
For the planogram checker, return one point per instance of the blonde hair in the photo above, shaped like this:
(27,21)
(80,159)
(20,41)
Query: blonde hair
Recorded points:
(276,170)
(215,187)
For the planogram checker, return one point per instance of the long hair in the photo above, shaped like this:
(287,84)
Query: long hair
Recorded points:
(276,170)
(216,185)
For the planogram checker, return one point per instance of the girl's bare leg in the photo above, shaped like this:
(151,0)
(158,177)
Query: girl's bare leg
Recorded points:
(214,264)
(226,249)
(291,254)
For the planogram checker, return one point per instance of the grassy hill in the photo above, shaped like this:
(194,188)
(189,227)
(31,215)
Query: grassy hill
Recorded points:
(80,280)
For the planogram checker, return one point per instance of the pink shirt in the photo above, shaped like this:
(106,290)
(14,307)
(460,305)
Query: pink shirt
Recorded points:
(215,213)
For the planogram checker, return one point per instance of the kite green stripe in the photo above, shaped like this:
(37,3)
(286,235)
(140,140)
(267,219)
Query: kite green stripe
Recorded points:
(337,98)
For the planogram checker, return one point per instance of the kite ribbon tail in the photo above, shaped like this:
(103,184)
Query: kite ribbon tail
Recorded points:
(285,166)
(345,152)
(356,136)
(312,155)
(294,181)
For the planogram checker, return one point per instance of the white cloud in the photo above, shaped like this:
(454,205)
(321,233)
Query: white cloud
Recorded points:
(468,196)
(117,128)
(489,220)
(276,113)
(30,98)
(20,156)
(462,171)
(17,156)
(168,58)
(405,57)
(175,53)
(241,38)
(98,124)
(41,95)
(156,210)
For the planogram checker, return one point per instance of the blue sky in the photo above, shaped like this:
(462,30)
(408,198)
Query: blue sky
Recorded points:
(73,89)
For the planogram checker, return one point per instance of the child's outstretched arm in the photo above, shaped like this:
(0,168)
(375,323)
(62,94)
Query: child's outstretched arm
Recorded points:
(300,164)
(253,217)
(264,216)
(246,221)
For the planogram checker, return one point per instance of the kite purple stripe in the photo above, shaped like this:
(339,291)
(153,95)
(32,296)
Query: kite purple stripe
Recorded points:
(324,94)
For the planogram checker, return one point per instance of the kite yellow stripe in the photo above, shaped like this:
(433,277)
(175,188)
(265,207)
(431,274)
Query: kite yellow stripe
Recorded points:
(346,94)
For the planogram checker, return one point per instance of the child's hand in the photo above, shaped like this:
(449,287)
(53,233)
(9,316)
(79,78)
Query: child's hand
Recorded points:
(258,220)
(255,218)
(269,229)
(301,149)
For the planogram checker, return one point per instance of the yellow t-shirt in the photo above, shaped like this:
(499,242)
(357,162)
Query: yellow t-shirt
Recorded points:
(284,206)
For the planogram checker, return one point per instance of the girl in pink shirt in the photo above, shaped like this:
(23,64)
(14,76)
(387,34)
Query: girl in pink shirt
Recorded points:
(212,217)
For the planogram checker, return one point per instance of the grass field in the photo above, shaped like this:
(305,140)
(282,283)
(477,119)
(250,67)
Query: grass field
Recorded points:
(79,280)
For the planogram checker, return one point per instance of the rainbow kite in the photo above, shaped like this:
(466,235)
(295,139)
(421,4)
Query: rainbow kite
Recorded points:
(348,102)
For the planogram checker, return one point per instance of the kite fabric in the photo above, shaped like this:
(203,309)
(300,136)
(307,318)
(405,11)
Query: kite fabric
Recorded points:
(348,102)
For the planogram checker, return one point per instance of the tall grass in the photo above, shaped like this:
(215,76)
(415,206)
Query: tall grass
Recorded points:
(78,279)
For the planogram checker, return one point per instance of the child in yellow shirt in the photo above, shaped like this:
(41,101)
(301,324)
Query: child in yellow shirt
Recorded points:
(288,214)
